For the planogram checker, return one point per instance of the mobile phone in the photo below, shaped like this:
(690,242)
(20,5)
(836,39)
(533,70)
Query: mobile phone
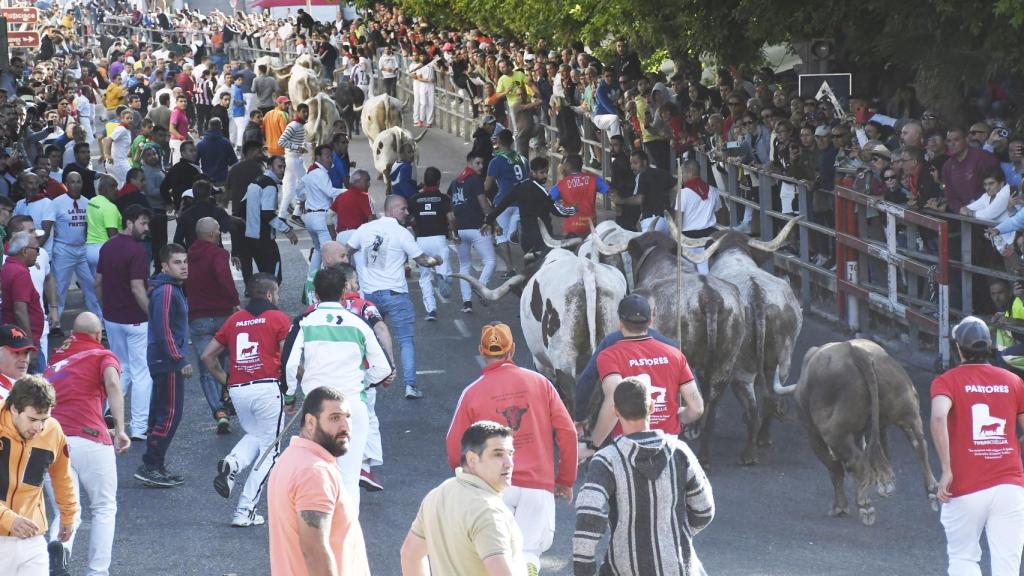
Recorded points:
(49,123)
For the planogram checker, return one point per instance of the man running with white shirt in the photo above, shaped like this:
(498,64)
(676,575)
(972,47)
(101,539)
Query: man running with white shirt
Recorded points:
(336,348)
(316,193)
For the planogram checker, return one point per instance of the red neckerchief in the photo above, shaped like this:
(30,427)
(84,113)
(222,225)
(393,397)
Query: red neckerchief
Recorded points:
(699,186)
(128,189)
(466,174)
(434,189)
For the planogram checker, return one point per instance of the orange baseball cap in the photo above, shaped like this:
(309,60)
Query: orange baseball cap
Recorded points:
(496,340)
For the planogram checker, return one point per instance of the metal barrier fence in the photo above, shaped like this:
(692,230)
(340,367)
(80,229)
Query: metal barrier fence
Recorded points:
(237,49)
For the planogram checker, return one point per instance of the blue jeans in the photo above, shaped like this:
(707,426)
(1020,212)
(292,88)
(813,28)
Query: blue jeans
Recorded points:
(202,331)
(396,307)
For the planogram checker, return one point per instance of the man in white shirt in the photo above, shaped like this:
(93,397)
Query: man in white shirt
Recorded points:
(381,248)
(316,193)
(422,74)
(698,202)
(388,65)
(115,148)
(37,206)
(69,256)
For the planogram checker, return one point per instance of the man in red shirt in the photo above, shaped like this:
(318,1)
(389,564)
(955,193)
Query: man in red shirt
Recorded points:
(15,346)
(178,128)
(578,189)
(352,207)
(212,297)
(21,304)
(84,375)
(252,338)
(638,354)
(976,409)
(531,407)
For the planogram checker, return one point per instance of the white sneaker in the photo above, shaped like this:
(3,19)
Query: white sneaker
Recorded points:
(244,519)
(742,227)
(225,480)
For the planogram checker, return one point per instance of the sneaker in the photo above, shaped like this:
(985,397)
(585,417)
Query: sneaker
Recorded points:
(431,315)
(138,437)
(564,210)
(368,482)
(174,477)
(156,478)
(296,221)
(532,570)
(58,558)
(225,480)
(244,519)
(56,332)
(223,423)
(444,287)
(412,392)
(467,307)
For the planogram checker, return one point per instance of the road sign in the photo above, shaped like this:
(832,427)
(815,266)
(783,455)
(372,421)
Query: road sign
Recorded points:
(834,88)
(20,15)
(23,40)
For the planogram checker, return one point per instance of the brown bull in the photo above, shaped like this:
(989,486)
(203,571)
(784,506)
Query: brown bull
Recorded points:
(847,396)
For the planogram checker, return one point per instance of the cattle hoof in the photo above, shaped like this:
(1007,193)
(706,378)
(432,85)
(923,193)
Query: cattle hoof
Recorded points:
(748,459)
(764,442)
(839,512)
(867,516)
(885,489)
(934,501)
(691,433)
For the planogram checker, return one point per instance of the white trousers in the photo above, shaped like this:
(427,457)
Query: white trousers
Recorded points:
(239,124)
(94,471)
(175,150)
(607,123)
(999,512)
(660,225)
(351,462)
(259,412)
(423,102)
(26,557)
(433,246)
(119,170)
(249,100)
(509,221)
(92,256)
(128,342)
(473,240)
(68,260)
(316,225)
(373,454)
(534,510)
(294,168)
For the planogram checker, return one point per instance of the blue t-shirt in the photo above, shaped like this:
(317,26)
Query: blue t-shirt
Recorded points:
(401,180)
(338,171)
(237,110)
(507,169)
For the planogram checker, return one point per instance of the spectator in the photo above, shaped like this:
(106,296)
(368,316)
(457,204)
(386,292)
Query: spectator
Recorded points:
(183,175)
(121,285)
(645,537)
(1009,313)
(215,154)
(203,206)
(259,207)
(178,127)
(69,254)
(961,174)
(274,123)
(22,303)
(15,350)
(265,88)
(81,163)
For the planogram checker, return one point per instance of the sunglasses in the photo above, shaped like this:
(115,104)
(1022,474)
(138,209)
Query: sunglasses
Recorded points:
(890,177)
(748,122)
(978,132)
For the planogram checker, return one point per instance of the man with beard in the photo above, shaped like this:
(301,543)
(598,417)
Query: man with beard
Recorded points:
(313,527)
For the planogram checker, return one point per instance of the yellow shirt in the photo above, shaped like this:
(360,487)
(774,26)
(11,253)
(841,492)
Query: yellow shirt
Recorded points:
(114,96)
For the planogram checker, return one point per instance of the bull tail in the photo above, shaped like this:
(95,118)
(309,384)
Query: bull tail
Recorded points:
(711,319)
(878,467)
(760,326)
(590,294)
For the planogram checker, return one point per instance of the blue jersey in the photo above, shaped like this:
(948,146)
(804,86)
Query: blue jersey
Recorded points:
(237,110)
(338,171)
(401,180)
(507,169)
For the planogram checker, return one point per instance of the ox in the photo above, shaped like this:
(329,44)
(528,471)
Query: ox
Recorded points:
(847,396)
(378,114)
(323,113)
(713,319)
(303,80)
(349,99)
(567,307)
(387,146)
(773,321)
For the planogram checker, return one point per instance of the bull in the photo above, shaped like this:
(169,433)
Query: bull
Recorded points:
(323,113)
(304,79)
(847,396)
(349,99)
(378,114)
(773,321)
(713,321)
(387,146)
(568,305)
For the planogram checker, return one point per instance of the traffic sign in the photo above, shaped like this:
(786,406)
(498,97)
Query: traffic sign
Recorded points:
(20,15)
(834,88)
(23,39)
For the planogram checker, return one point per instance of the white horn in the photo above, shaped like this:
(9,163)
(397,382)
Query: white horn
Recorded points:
(555,243)
(698,257)
(781,390)
(605,248)
(776,242)
(488,294)
(680,238)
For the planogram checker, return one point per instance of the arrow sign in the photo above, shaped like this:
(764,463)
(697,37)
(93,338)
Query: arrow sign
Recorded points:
(20,15)
(23,39)
(826,92)
(833,88)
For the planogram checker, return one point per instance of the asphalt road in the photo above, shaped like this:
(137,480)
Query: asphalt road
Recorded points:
(771,518)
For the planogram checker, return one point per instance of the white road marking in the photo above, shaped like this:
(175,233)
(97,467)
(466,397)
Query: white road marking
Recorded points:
(460,325)
(422,372)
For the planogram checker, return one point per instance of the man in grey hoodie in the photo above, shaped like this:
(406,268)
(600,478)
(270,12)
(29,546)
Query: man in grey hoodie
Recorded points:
(622,480)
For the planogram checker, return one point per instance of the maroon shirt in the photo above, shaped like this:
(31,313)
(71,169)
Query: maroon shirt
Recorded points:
(122,259)
(963,177)
(16,284)
(209,286)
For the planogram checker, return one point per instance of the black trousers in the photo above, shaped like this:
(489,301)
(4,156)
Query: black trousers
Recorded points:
(266,255)
(202,117)
(165,406)
(158,234)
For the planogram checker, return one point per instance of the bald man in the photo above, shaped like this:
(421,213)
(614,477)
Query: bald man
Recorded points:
(212,297)
(331,254)
(84,374)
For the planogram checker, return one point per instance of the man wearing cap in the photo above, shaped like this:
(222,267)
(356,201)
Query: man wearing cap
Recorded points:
(530,406)
(15,348)
(976,411)
(274,123)
(638,354)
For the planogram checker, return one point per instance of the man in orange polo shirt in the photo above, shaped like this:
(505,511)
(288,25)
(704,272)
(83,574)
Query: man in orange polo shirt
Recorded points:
(274,124)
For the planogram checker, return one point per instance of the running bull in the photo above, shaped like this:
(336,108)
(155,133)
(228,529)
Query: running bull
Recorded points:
(388,144)
(379,113)
(847,396)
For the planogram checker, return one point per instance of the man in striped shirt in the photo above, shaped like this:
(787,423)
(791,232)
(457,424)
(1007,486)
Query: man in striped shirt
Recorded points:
(650,536)
(293,141)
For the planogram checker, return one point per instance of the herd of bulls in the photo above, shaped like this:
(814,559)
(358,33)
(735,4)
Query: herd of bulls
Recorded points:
(738,326)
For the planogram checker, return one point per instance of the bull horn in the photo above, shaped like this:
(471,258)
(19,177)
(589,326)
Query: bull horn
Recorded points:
(488,294)
(777,386)
(357,108)
(776,242)
(565,244)
(605,248)
(652,225)
(698,257)
(421,136)
(680,238)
